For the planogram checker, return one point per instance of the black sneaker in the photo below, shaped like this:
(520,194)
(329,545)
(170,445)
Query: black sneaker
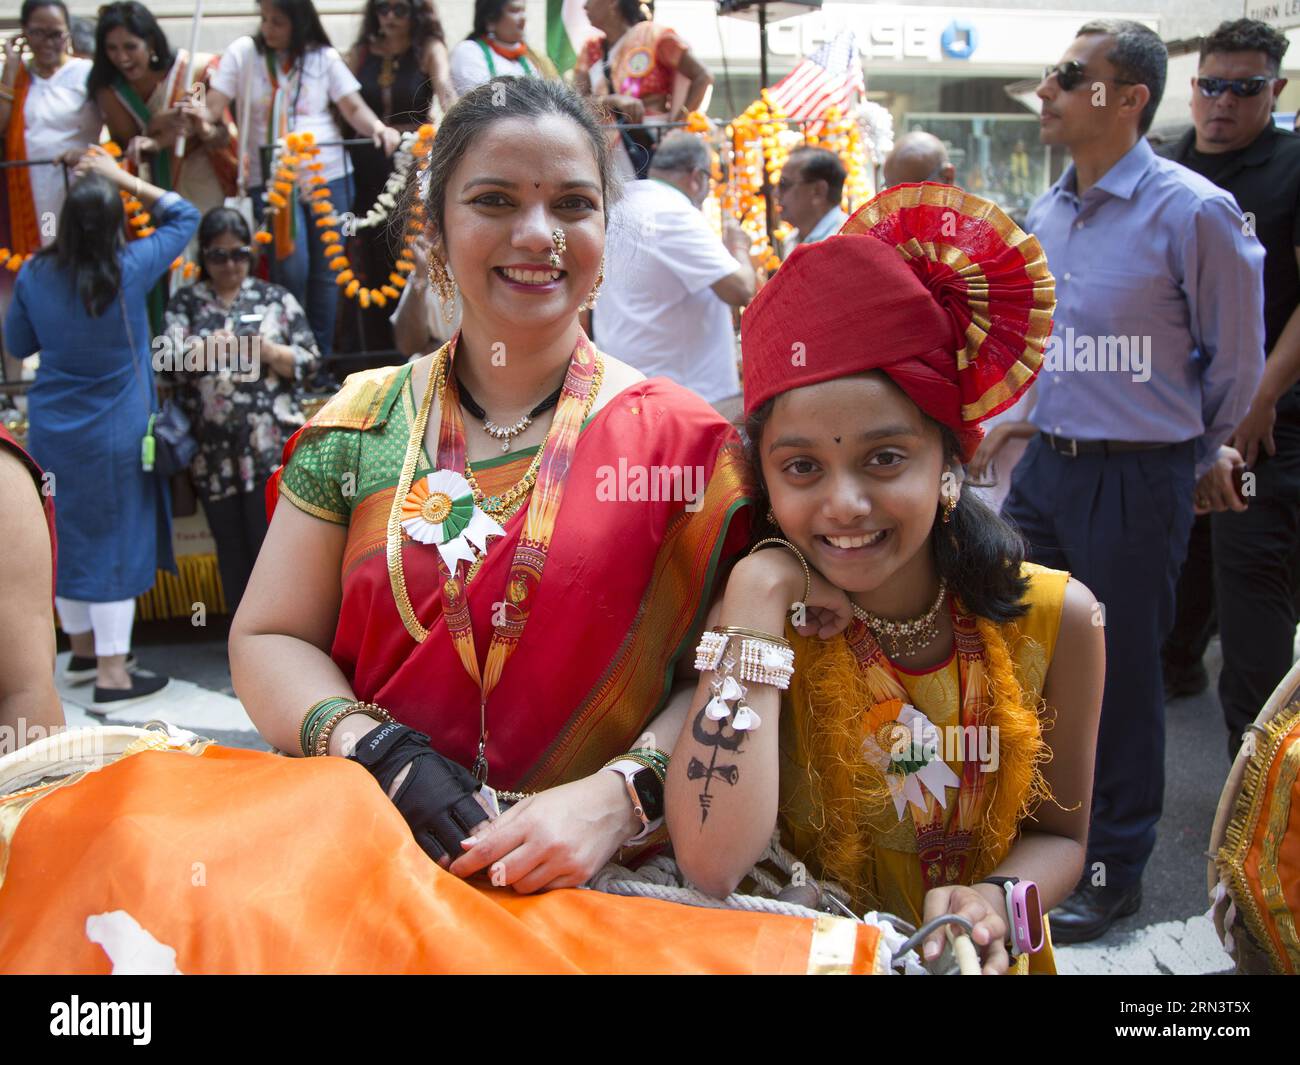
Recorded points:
(80,669)
(142,688)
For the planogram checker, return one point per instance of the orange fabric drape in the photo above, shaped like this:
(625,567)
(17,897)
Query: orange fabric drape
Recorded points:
(246,862)
(24,228)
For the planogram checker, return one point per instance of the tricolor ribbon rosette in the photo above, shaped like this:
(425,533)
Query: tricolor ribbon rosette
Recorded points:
(440,510)
(905,744)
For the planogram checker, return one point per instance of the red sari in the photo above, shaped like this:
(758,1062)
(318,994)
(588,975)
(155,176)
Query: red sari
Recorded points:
(626,586)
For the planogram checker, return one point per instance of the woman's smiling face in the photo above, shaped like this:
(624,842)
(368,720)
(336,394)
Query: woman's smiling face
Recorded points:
(854,471)
(519,182)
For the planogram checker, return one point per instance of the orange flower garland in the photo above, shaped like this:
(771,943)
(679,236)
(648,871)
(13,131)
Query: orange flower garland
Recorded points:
(138,220)
(337,254)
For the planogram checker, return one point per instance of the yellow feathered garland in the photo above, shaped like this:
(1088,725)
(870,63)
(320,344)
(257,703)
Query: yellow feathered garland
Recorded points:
(828,696)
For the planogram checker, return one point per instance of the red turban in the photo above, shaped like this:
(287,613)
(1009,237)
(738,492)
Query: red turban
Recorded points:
(936,288)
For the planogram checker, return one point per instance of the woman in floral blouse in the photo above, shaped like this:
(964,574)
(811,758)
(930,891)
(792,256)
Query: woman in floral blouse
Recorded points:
(238,345)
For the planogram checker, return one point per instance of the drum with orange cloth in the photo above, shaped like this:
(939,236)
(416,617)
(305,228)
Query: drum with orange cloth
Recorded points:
(155,851)
(1254,868)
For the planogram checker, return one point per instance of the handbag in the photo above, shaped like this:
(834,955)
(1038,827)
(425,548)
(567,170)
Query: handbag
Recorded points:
(168,445)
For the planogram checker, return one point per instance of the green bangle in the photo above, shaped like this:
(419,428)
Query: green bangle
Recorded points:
(660,757)
(312,720)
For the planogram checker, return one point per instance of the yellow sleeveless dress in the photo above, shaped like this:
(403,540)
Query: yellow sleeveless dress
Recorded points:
(894,884)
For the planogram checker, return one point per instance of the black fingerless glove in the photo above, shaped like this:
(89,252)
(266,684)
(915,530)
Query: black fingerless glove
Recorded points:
(437,796)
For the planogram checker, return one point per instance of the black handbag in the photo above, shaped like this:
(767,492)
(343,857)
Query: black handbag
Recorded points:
(169,445)
(174,443)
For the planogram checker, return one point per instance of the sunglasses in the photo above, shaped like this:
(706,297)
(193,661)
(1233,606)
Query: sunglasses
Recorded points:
(397,10)
(1071,74)
(1240,86)
(221,256)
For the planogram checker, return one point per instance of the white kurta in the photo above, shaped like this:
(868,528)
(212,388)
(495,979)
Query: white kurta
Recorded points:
(57,115)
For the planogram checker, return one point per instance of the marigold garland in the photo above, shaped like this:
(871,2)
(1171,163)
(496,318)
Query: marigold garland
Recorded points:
(139,221)
(300,147)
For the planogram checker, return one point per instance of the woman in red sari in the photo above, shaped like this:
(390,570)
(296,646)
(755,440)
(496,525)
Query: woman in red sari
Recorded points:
(517,593)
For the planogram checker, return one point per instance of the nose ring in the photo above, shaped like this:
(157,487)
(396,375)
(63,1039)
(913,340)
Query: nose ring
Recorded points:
(557,238)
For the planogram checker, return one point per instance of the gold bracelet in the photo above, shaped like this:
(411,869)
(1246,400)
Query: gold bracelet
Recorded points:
(323,736)
(807,573)
(736,630)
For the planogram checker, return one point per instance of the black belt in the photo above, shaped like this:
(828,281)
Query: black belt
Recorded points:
(1064,445)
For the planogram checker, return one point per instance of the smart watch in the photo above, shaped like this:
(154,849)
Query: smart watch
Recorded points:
(646,793)
(1024,913)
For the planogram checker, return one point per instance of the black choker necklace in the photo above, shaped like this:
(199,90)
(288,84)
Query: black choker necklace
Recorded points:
(505,433)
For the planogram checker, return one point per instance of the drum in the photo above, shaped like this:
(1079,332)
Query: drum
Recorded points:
(1254,867)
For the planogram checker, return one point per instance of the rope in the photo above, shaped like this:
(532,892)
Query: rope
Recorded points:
(660,878)
(691,897)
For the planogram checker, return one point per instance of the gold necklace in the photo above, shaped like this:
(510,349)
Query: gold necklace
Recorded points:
(503,506)
(906,637)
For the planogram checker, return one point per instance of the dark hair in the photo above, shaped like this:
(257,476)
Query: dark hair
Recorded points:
(486,12)
(1247,35)
(138,21)
(820,164)
(977,553)
(307,32)
(1139,55)
(217,221)
(503,98)
(89,241)
(30,7)
(632,11)
(425,24)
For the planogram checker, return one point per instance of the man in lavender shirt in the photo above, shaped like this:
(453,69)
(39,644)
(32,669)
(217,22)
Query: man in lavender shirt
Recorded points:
(1155,354)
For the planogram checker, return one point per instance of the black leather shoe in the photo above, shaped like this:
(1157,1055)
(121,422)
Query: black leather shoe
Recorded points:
(1090,911)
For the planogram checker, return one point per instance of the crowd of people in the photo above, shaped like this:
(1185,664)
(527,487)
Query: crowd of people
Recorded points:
(857,562)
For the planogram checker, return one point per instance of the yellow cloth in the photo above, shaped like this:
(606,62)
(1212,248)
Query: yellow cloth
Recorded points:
(898,889)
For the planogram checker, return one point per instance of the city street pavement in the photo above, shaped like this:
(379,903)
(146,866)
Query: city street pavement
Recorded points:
(1169,934)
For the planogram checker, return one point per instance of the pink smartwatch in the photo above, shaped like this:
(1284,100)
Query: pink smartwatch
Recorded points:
(1024,913)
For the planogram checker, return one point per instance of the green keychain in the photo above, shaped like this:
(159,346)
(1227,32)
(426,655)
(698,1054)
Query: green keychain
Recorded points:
(148,447)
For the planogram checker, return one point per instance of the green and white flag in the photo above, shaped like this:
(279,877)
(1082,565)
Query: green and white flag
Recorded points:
(567,29)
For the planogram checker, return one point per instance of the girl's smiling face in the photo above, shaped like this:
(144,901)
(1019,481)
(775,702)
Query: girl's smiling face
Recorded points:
(854,471)
(519,182)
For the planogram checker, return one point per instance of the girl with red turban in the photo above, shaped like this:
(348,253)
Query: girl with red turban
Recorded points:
(924,717)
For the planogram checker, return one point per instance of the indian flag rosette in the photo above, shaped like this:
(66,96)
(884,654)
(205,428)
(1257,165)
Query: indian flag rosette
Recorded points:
(440,510)
(905,743)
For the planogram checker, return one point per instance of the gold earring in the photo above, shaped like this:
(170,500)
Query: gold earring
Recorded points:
(594,294)
(441,279)
(771,519)
(949,505)
(561,245)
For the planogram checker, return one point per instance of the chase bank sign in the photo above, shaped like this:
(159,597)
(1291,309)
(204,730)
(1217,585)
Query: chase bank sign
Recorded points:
(959,39)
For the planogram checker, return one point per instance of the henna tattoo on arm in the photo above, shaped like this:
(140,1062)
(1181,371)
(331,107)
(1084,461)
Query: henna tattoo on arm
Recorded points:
(697,770)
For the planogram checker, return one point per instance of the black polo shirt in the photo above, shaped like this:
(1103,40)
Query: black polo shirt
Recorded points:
(1264,177)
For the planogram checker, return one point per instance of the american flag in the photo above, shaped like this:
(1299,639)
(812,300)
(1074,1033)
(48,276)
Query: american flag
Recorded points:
(829,77)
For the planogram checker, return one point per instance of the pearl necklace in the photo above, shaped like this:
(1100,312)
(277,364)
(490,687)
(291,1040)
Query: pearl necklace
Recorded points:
(905,637)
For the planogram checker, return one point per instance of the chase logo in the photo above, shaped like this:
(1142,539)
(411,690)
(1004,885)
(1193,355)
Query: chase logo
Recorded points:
(959,39)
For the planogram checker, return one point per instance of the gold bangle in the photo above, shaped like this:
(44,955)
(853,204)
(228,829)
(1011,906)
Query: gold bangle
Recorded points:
(736,630)
(327,730)
(807,573)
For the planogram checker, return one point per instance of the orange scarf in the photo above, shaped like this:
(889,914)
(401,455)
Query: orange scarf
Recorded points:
(507,51)
(24,228)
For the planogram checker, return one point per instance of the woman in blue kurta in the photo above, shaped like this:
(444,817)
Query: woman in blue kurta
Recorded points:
(81,304)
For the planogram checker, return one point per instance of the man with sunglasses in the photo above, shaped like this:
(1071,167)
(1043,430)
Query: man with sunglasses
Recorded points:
(1156,350)
(1240,562)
